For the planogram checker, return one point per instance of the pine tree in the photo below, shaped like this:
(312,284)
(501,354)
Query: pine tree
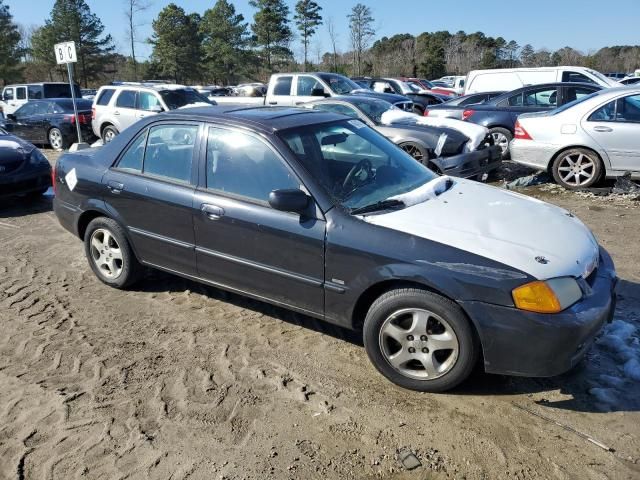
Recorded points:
(526,55)
(176,43)
(225,37)
(72,20)
(308,19)
(362,32)
(271,29)
(10,51)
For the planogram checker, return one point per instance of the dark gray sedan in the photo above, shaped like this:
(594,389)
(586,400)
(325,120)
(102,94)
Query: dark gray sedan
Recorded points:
(441,149)
(319,213)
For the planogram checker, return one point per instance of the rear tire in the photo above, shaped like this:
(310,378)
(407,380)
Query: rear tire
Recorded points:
(502,137)
(417,151)
(109,254)
(577,168)
(109,133)
(420,340)
(56,139)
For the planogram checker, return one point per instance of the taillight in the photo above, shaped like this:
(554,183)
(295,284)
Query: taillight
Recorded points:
(467,113)
(520,133)
(53,179)
(426,112)
(70,118)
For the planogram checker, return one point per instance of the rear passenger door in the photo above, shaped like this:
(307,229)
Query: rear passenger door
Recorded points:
(282,91)
(244,244)
(125,109)
(150,191)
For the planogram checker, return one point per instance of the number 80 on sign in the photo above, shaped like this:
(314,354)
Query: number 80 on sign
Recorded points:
(65,52)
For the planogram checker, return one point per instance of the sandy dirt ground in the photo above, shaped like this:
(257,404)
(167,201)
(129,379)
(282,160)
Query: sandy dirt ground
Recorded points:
(175,380)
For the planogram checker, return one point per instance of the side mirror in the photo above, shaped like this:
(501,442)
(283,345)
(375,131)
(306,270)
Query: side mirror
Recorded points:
(320,92)
(157,109)
(289,200)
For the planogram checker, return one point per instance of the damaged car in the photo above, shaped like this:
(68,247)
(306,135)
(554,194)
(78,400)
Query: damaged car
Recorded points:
(319,213)
(24,170)
(442,147)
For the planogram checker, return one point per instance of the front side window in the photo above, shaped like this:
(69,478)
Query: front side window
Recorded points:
(306,86)
(355,165)
(169,152)
(134,155)
(545,97)
(105,96)
(383,87)
(576,77)
(243,165)
(182,97)
(148,101)
(126,99)
(25,110)
(41,108)
(282,86)
(8,94)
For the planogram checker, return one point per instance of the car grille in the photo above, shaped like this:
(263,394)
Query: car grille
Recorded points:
(9,167)
(406,106)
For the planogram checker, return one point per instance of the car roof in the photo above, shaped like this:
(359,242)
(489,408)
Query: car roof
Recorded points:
(499,98)
(148,86)
(351,99)
(269,119)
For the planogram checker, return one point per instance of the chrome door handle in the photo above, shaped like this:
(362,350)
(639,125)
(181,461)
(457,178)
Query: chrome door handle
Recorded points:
(273,103)
(213,212)
(116,112)
(603,129)
(115,187)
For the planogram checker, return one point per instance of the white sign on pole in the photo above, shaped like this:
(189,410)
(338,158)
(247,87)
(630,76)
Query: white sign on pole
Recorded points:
(65,52)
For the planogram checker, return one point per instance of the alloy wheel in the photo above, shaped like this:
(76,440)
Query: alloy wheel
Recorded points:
(418,344)
(501,140)
(106,253)
(413,151)
(576,169)
(109,135)
(55,139)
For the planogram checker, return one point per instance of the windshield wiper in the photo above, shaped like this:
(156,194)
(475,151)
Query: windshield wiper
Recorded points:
(375,207)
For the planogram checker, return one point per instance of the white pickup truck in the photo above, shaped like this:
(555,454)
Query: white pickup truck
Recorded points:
(291,89)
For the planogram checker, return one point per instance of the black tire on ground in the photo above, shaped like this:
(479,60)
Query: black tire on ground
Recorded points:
(417,151)
(418,110)
(130,268)
(595,173)
(502,133)
(108,133)
(413,298)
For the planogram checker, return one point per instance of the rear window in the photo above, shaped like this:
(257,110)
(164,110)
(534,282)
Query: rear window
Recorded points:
(182,97)
(126,99)
(59,90)
(105,96)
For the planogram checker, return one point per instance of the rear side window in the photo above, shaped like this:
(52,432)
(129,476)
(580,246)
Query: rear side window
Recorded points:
(132,158)
(513,101)
(105,96)
(282,86)
(41,108)
(169,152)
(34,91)
(21,93)
(541,97)
(126,99)
(606,113)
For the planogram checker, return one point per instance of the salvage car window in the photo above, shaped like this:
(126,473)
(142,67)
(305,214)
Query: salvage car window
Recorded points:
(306,85)
(379,169)
(374,108)
(132,158)
(243,165)
(628,109)
(338,84)
(169,152)
(544,97)
(147,101)
(513,101)
(175,99)
(126,99)
(282,86)
(606,113)
(105,96)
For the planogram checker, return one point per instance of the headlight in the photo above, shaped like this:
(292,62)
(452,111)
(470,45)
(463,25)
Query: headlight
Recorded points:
(37,158)
(550,296)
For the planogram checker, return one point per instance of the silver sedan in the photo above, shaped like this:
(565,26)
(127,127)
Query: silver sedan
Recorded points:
(582,142)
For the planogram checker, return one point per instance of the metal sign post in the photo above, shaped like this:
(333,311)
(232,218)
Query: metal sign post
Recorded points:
(66,53)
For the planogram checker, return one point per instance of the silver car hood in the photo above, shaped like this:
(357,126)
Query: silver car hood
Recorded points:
(535,237)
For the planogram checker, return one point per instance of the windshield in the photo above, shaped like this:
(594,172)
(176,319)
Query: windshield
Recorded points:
(182,97)
(373,108)
(602,78)
(415,87)
(340,85)
(571,104)
(60,90)
(356,165)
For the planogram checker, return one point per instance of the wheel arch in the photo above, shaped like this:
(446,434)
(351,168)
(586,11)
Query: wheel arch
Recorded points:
(95,211)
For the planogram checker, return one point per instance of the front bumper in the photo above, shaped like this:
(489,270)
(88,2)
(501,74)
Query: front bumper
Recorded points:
(28,181)
(470,164)
(515,342)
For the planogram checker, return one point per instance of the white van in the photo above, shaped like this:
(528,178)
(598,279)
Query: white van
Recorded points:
(508,79)
(14,96)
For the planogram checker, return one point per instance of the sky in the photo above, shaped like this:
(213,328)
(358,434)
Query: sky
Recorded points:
(582,24)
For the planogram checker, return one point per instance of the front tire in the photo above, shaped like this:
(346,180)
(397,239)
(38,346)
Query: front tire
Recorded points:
(577,168)
(417,151)
(109,254)
(501,137)
(420,340)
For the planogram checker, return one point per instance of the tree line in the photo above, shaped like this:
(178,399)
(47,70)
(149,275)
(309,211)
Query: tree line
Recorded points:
(220,46)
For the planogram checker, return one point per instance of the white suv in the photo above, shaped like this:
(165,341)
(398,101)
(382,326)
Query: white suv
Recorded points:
(117,107)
